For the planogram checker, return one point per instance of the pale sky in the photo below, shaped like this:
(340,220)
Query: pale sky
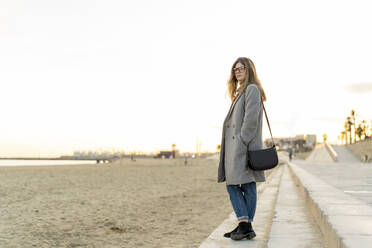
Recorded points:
(141,75)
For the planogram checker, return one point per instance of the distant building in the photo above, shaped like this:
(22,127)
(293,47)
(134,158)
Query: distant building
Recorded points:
(165,154)
(298,143)
(311,140)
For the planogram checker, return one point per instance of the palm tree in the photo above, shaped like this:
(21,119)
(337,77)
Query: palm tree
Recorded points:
(345,132)
(348,125)
(363,126)
(343,137)
(353,123)
(359,132)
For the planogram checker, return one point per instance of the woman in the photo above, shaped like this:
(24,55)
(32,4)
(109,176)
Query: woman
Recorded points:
(242,130)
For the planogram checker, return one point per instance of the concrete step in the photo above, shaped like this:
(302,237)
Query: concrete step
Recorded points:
(344,220)
(293,224)
(297,209)
(267,195)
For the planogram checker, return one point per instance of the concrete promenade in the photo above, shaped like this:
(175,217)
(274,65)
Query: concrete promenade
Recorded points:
(310,203)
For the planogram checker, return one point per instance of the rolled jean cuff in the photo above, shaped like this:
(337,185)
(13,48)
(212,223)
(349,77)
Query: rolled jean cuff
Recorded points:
(243,217)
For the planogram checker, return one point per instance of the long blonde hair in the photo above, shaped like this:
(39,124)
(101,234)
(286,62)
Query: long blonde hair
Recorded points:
(252,78)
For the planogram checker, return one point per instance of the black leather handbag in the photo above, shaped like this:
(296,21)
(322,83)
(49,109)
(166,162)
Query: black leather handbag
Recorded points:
(263,159)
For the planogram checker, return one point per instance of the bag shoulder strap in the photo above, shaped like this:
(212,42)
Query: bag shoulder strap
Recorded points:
(267,120)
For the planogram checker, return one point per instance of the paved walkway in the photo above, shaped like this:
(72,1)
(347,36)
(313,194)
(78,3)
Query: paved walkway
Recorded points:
(345,155)
(352,178)
(282,218)
(320,154)
(293,224)
(309,203)
(267,193)
(344,220)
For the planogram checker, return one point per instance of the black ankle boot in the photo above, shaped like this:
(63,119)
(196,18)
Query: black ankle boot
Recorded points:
(228,235)
(245,230)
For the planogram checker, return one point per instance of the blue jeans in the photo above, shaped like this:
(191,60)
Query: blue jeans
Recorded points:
(243,199)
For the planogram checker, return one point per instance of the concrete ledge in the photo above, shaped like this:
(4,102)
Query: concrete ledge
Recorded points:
(361,149)
(320,154)
(343,220)
(266,193)
(331,152)
(293,225)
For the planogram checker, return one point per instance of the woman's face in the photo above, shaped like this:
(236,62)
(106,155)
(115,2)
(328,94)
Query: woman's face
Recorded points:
(240,72)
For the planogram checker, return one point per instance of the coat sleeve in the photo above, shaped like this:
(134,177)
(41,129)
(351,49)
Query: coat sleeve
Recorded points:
(252,110)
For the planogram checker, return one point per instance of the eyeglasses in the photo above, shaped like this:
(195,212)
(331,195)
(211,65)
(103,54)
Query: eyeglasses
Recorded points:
(239,69)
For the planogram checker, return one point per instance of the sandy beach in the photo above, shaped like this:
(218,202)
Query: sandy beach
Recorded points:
(146,203)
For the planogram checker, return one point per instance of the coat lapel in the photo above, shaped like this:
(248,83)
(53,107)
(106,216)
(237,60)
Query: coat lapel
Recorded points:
(233,105)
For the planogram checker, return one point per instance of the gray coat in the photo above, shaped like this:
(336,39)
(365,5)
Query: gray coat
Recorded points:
(242,130)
